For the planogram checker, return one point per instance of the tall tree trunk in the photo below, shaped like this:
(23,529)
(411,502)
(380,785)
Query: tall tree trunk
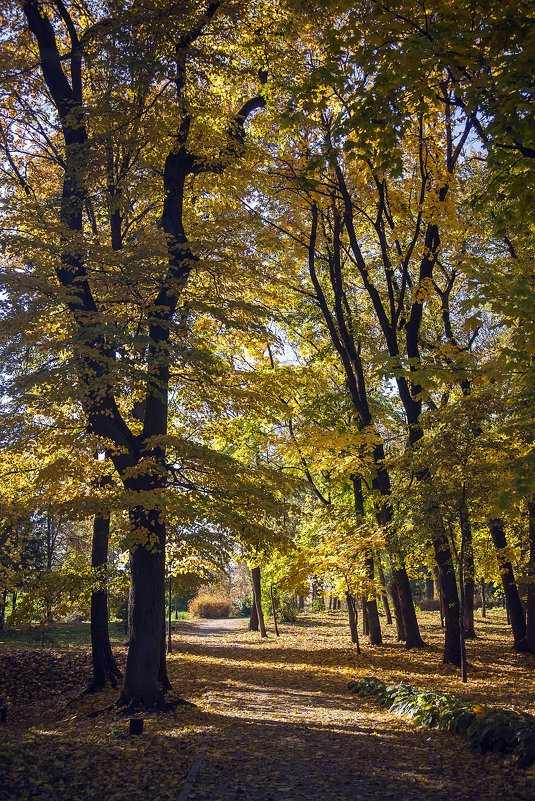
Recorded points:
(169,616)
(146,650)
(365,626)
(448,585)
(512,598)
(257,589)
(273,610)
(408,622)
(349,351)
(370,613)
(253,618)
(301,602)
(104,666)
(400,623)
(530,604)
(438,591)
(468,569)
(353,620)
(462,641)
(384,596)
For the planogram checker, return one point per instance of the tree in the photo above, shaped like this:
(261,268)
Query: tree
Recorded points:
(71,51)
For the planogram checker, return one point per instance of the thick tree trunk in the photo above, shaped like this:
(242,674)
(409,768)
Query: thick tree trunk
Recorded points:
(450,596)
(400,625)
(468,571)
(144,674)
(301,602)
(104,666)
(257,589)
(512,598)
(253,619)
(406,613)
(530,604)
(406,609)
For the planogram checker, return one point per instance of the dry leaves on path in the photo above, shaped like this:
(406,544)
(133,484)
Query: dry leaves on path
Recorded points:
(281,721)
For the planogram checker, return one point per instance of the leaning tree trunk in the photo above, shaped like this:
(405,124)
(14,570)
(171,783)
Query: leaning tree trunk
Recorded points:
(512,598)
(257,589)
(104,666)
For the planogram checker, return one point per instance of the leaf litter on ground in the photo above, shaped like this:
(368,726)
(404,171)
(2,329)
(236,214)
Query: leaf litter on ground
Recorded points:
(282,724)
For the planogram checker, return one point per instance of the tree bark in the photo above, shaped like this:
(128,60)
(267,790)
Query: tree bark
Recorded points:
(144,677)
(253,619)
(257,589)
(365,626)
(384,596)
(512,598)
(274,611)
(104,665)
(169,615)
(353,620)
(468,569)
(483,599)
(448,585)
(400,624)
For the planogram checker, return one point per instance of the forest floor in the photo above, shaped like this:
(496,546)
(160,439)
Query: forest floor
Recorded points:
(273,721)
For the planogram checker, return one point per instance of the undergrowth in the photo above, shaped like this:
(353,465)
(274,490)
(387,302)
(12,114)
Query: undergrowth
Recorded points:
(484,728)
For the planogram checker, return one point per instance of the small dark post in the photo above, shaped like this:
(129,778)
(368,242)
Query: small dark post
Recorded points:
(3,714)
(136,725)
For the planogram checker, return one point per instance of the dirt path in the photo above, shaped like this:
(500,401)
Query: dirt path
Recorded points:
(285,728)
(212,628)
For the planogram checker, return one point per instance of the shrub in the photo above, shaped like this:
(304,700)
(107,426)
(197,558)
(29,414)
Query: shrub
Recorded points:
(485,729)
(429,605)
(208,605)
(288,608)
